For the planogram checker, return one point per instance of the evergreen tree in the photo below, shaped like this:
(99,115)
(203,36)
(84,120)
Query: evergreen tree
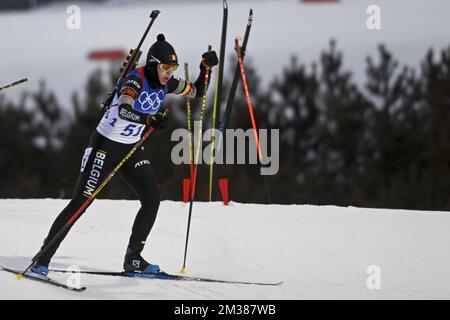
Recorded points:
(394,140)
(435,166)
(339,168)
(29,148)
(291,106)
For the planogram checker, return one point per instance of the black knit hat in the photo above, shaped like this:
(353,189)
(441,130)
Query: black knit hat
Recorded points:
(162,52)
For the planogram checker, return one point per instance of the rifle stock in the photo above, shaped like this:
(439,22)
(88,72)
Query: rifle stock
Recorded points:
(129,63)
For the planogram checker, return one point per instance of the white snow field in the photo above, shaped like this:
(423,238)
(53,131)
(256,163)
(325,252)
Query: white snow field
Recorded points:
(38,44)
(320,252)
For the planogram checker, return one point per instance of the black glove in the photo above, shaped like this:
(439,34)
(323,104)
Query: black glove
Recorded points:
(209,59)
(157,120)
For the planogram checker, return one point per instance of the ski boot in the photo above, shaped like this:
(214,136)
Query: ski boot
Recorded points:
(40,269)
(41,265)
(135,263)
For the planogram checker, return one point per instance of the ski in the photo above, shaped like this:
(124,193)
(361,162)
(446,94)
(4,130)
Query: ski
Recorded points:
(166,276)
(218,95)
(44,279)
(234,84)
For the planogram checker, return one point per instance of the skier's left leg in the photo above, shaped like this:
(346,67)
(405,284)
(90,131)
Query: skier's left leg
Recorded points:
(139,175)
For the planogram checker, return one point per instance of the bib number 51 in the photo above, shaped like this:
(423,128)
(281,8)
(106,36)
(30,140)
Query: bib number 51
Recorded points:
(131,130)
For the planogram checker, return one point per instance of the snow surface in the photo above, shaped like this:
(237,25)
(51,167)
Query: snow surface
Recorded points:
(38,45)
(320,252)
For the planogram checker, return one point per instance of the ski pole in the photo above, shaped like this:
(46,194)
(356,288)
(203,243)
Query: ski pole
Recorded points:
(130,62)
(80,211)
(247,95)
(13,84)
(188,106)
(218,95)
(200,130)
(194,176)
(250,110)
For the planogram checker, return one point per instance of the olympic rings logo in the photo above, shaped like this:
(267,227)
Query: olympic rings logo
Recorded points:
(151,101)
